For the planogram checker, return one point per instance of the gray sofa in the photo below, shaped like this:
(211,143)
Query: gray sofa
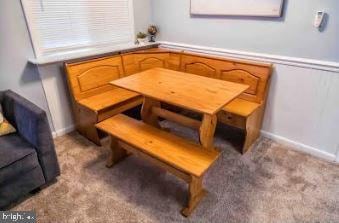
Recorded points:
(27,158)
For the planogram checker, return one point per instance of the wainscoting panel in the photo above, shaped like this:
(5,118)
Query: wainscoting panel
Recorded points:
(302,109)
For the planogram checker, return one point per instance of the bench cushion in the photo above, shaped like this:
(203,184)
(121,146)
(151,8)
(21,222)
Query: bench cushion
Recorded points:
(241,107)
(166,147)
(109,98)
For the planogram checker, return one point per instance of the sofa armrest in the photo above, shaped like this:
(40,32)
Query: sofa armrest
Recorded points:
(32,124)
(1,96)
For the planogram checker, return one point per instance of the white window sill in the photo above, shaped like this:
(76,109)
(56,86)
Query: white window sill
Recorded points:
(78,54)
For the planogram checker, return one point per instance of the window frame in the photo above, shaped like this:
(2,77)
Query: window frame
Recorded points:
(41,52)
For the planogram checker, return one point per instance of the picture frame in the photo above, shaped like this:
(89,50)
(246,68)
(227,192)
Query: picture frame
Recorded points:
(257,8)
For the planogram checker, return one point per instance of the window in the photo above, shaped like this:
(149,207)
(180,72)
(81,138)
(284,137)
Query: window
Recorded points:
(58,26)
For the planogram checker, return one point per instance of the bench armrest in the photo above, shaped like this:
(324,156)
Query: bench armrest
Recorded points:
(32,124)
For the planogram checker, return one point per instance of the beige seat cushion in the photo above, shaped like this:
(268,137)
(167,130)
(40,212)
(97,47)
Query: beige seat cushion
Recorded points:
(241,107)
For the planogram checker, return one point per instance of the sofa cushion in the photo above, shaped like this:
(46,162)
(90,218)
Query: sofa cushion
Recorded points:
(16,157)
(15,188)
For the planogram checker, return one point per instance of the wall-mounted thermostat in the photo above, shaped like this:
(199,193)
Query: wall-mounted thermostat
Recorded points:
(319,18)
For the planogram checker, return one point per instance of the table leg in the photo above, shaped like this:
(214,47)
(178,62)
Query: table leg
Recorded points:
(146,112)
(206,131)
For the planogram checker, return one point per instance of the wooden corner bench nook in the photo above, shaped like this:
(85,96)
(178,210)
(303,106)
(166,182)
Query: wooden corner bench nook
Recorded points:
(180,156)
(95,100)
(176,155)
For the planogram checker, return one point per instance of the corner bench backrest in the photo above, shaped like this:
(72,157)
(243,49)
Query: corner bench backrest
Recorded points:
(142,60)
(256,75)
(92,77)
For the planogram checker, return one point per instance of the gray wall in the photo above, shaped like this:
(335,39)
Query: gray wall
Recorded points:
(15,48)
(292,35)
(142,15)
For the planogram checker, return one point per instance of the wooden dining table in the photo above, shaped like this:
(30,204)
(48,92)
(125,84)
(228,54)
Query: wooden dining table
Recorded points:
(203,95)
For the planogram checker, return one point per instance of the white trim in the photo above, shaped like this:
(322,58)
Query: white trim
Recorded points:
(71,55)
(63,131)
(300,147)
(337,159)
(32,32)
(291,61)
(45,54)
(279,139)
(216,8)
(131,12)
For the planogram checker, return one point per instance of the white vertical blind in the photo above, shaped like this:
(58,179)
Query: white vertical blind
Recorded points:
(64,25)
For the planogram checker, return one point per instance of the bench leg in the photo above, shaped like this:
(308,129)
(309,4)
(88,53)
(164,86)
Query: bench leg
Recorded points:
(92,135)
(206,131)
(117,153)
(253,126)
(146,112)
(86,119)
(196,193)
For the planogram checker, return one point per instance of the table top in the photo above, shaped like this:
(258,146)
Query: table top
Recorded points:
(193,92)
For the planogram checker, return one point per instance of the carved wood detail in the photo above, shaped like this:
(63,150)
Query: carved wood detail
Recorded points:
(101,74)
(242,77)
(201,69)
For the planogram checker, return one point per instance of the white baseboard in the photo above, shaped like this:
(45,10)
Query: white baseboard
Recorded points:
(279,139)
(337,159)
(301,147)
(63,131)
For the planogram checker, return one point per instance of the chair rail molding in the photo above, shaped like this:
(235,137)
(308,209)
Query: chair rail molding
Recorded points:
(277,59)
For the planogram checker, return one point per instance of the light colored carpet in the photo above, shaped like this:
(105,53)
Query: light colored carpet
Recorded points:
(269,184)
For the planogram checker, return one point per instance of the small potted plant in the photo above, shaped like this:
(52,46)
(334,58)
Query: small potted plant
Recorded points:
(141,37)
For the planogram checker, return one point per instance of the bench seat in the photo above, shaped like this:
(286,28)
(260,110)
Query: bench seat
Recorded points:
(108,99)
(166,147)
(241,107)
(181,157)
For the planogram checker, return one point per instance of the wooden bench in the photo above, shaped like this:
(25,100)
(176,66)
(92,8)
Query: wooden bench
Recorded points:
(94,99)
(182,158)
(245,112)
